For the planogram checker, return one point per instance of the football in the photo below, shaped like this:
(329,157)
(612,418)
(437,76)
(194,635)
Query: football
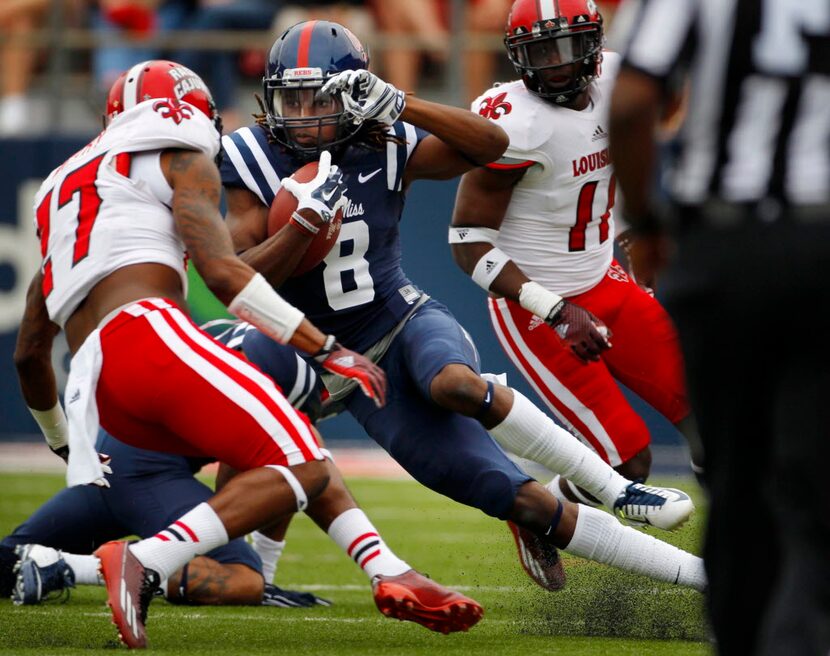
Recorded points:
(280,213)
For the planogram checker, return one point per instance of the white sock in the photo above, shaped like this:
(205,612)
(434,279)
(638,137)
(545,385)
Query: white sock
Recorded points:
(600,537)
(555,488)
(193,534)
(529,433)
(356,535)
(269,551)
(85,568)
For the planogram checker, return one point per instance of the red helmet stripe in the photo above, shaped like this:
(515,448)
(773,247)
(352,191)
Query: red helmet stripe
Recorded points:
(305,43)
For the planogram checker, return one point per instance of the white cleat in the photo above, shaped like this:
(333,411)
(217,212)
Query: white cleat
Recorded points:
(663,507)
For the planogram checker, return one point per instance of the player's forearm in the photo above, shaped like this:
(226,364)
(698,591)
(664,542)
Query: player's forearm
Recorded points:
(475,137)
(507,283)
(277,257)
(33,351)
(37,382)
(206,582)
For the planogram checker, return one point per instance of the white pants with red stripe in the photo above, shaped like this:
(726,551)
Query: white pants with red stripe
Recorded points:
(166,385)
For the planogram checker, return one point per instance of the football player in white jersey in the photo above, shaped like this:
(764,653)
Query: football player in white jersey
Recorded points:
(536,230)
(115,222)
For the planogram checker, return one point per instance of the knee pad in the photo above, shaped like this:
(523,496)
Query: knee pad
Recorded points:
(494,493)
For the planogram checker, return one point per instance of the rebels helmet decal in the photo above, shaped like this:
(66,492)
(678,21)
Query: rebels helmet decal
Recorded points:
(556,46)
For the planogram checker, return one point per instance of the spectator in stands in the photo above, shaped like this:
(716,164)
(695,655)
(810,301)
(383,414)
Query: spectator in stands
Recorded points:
(428,23)
(18,19)
(114,19)
(485,18)
(401,21)
(221,67)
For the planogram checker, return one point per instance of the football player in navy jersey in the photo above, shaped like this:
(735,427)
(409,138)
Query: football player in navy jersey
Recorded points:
(322,102)
(52,550)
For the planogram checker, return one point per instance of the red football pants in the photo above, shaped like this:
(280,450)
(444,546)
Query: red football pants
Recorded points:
(645,357)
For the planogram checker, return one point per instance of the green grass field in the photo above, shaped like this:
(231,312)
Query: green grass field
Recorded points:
(601,611)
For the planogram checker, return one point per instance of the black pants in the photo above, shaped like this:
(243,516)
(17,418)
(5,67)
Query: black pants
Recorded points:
(747,303)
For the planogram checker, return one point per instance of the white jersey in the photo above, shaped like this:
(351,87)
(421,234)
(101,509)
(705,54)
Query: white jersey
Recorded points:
(559,226)
(108,205)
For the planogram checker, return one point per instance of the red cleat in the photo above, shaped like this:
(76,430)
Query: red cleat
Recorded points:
(539,559)
(129,591)
(413,597)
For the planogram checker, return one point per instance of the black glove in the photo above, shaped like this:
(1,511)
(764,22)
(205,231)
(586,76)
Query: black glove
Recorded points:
(582,331)
(62,452)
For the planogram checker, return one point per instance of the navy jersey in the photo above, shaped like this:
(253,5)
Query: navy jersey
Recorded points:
(359,292)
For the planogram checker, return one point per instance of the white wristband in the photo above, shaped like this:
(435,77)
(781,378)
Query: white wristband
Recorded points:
(53,425)
(488,267)
(472,235)
(260,305)
(535,298)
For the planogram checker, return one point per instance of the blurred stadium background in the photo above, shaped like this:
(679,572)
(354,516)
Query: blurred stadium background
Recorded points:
(57,58)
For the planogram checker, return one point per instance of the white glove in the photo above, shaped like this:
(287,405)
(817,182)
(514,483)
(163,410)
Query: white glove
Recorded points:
(366,97)
(323,195)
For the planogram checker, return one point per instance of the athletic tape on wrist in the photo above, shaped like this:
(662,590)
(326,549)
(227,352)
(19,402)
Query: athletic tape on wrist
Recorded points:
(538,300)
(260,305)
(53,425)
(489,267)
(294,484)
(304,226)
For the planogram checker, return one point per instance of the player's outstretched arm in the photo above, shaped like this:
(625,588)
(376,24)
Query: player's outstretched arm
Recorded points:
(460,140)
(196,186)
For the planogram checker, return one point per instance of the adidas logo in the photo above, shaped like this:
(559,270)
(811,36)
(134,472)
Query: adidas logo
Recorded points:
(489,265)
(599,133)
(535,322)
(462,233)
(75,396)
(562,329)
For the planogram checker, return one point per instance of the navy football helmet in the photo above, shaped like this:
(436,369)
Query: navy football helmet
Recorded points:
(301,61)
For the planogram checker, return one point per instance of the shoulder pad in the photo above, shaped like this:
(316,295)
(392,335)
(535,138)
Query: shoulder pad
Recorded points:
(160,123)
(519,113)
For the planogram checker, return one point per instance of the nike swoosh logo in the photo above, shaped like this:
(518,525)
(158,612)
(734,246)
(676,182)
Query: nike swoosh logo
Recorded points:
(327,196)
(365,178)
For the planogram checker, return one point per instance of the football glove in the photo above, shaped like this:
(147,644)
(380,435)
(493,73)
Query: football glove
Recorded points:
(276,596)
(582,331)
(63,453)
(366,97)
(341,361)
(323,195)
